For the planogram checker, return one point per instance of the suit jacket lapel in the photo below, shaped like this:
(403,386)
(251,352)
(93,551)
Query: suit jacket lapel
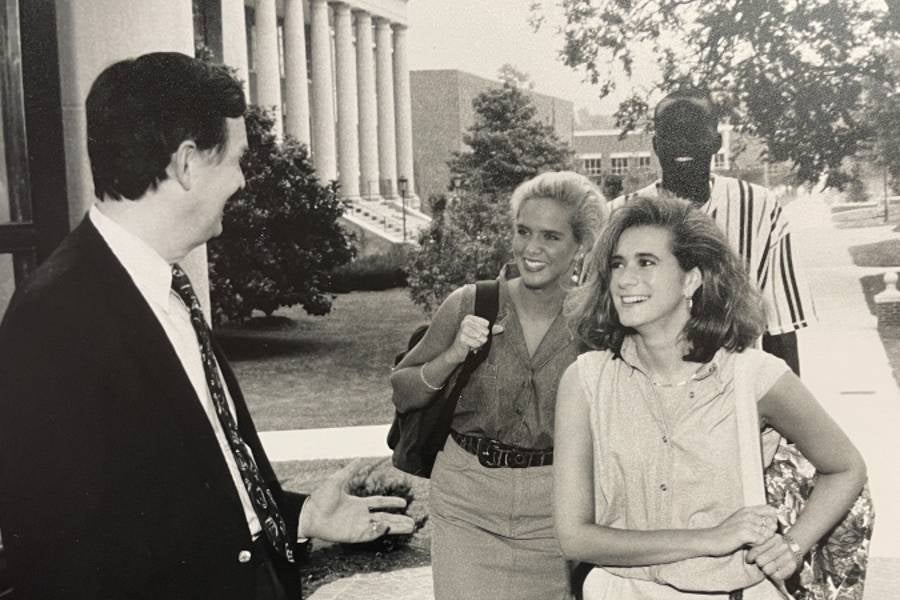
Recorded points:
(146,335)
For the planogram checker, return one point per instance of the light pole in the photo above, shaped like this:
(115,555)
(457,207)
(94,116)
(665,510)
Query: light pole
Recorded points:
(402,182)
(455,184)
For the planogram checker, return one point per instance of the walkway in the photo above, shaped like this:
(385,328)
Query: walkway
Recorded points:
(843,363)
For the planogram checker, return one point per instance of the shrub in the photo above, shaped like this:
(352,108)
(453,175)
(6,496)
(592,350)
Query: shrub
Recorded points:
(365,483)
(468,241)
(280,237)
(371,273)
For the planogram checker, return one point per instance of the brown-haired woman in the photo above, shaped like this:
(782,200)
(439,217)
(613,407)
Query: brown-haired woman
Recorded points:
(647,479)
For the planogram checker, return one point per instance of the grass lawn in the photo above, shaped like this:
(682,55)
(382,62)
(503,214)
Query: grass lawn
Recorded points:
(874,220)
(300,372)
(327,562)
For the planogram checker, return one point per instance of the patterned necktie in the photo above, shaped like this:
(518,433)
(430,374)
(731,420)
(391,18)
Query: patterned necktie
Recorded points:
(260,495)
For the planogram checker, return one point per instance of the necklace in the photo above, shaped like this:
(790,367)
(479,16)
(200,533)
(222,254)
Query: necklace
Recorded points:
(665,384)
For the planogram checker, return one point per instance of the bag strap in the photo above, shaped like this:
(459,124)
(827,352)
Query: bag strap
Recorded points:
(749,445)
(749,441)
(487,304)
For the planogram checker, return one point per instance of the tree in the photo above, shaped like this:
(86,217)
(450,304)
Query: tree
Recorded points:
(280,233)
(469,237)
(792,73)
(509,73)
(508,143)
(884,102)
(468,241)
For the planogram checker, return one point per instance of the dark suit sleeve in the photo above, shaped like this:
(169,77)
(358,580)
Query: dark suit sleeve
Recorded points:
(51,453)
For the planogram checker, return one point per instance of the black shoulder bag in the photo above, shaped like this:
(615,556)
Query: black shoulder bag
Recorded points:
(416,436)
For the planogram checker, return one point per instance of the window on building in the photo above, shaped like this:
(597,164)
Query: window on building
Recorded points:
(619,165)
(593,166)
(719,161)
(643,162)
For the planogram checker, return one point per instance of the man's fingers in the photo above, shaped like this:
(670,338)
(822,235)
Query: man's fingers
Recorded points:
(392,524)
(384,502)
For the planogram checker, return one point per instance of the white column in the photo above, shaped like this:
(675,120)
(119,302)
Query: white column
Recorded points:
(234,40)
(268,76)
(128,29)
(368,111)
(322,92)
(296,122)
(384,70)
(348,140)
(403,112)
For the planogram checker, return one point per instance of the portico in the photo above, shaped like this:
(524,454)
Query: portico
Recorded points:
(337,74)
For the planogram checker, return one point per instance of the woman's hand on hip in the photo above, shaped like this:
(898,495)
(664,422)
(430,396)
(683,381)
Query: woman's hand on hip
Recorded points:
(745,527)
(774,557)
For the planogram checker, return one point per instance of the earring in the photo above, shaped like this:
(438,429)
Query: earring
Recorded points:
(690,302)
(577,268)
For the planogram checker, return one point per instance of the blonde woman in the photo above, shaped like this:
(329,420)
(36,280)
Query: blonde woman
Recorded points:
(491,485)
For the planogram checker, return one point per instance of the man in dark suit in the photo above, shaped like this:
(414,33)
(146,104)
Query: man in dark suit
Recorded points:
(129,465)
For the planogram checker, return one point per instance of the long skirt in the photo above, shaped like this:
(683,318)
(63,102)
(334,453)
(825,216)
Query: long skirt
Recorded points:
(492,534)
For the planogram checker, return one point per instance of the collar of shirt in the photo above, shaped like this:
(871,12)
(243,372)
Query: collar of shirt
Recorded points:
(629,355)
(150,272)
(704,207)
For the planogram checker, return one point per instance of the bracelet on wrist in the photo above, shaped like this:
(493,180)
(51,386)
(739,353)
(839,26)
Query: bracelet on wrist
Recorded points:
(428,385)
(794,547)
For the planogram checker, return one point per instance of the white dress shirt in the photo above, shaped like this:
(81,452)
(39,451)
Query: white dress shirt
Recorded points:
(152,276)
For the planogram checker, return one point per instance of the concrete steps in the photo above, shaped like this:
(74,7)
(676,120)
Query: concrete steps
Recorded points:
(385,219)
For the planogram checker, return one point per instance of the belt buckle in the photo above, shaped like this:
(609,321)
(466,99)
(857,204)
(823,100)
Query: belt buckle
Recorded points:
(490,455)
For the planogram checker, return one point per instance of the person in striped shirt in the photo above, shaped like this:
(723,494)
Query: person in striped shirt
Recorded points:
(685,141)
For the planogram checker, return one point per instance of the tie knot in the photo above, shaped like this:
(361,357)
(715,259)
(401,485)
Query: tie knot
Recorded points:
(182,286)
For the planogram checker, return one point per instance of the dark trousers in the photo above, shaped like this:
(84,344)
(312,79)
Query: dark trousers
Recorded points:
(784,346)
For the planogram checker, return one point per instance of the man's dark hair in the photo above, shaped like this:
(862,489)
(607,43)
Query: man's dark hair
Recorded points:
(697,97)
(612,186)
(140,110)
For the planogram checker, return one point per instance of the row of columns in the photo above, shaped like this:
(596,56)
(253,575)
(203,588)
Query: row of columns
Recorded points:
(372,140)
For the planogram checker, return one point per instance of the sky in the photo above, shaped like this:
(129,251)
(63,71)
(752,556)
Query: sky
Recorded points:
(479,36)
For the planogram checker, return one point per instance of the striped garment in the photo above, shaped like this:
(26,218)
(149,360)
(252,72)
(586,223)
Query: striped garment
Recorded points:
(754,223)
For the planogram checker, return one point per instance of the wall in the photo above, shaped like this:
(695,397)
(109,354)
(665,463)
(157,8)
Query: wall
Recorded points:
(442,111)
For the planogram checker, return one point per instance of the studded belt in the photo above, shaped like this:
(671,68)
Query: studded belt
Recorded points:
(493,454)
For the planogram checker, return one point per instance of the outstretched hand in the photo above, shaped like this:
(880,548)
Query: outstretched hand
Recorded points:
(332,514)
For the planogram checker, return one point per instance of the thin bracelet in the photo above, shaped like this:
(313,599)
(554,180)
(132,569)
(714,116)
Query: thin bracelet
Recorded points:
(428,385)
(794,547)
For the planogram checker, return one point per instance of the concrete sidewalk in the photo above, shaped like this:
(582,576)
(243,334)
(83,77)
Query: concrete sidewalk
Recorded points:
(842,361)
(328,442)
